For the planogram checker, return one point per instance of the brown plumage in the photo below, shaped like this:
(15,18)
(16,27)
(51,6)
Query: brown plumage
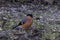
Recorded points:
(28,22)
(25,23)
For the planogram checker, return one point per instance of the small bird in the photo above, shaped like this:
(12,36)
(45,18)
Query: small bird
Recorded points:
(26,22)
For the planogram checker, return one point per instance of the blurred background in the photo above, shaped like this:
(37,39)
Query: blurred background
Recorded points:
(46,16)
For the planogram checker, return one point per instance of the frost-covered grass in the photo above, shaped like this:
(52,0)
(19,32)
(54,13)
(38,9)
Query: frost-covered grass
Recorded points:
(47,16)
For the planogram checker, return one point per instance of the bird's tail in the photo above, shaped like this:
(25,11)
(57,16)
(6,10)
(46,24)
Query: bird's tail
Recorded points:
(20,23)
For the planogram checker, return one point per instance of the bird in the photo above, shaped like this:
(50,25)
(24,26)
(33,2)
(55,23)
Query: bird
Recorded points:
(26,22)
